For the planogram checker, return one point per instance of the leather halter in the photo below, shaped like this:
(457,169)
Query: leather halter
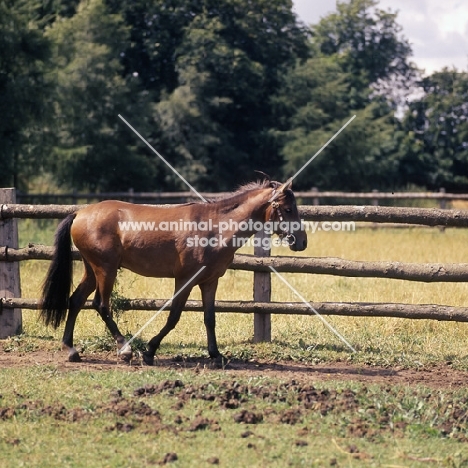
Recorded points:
(290,238)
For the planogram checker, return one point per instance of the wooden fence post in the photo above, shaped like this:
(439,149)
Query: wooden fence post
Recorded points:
(442,206)
(443,201)
(262,291)
(375,202)
(10,319)
(316,199)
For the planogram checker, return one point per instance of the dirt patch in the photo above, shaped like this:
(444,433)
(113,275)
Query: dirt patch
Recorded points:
(362,412)
(169,458)
(362,408)
(440,376)
(248,417)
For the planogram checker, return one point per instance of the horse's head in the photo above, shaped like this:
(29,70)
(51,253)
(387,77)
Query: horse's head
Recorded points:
(282,213)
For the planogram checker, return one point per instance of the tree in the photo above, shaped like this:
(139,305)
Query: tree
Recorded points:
(353,51)
(93,148)
(50,10)
(435,147)
(358,159)
(195,78)
(24,106)
(223,88)
(212,68)
(368,45)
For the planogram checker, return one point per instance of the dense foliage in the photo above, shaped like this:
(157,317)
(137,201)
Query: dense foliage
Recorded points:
(221,89)
(435,147)
(24,95)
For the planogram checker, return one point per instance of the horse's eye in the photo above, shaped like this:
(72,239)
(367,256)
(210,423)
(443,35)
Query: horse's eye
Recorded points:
(288,210)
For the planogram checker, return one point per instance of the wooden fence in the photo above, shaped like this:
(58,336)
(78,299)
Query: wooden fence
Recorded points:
(312,196)
(261,306)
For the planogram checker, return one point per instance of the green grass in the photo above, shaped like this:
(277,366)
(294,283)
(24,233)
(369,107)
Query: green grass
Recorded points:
(81,418)
(95,419)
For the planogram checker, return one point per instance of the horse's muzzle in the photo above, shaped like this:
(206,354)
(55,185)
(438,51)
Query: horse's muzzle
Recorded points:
(299,244)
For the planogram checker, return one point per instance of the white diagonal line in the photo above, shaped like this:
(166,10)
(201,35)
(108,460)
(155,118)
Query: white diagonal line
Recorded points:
(160,310)
(310,307)
(323,147)
(166,162)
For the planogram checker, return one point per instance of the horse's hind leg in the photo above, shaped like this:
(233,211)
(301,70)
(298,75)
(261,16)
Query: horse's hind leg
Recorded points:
(177,305)
(208,291)
(105,283)
(77,300)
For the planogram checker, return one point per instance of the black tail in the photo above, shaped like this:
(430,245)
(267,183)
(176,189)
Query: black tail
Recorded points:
(56,290)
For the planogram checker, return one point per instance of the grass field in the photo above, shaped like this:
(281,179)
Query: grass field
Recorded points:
(149,418)
(115,416)
(384,341)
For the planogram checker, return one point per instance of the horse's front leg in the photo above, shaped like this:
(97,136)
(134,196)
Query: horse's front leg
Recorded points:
(177,305)
(208,291)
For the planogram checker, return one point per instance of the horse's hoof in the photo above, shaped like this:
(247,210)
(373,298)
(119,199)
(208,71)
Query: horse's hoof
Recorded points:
(74,357)
(219,362)
(148,358)
(126,357)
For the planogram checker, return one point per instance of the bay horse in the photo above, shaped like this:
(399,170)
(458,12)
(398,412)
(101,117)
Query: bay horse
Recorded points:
(160,242)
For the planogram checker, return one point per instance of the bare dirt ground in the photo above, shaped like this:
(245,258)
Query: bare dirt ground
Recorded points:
(440,376)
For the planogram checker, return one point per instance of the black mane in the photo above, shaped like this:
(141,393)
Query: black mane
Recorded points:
(246,188)
(230,198)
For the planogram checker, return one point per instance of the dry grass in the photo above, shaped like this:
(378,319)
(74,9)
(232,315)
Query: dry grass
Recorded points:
(390,338)
(459,204)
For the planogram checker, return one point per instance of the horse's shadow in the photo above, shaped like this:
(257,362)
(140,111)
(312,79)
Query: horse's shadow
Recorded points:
(260,368)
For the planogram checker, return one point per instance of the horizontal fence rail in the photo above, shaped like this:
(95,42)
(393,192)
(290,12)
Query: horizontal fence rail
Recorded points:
(441,195)
(355,309)
(313,194)
(366,213)
(428,273)
(386,214)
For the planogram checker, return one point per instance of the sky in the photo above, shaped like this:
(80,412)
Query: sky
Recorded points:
(437,30)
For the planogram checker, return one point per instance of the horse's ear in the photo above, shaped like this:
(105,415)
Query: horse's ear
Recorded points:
(267,177)
(286,186)
(279,190)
